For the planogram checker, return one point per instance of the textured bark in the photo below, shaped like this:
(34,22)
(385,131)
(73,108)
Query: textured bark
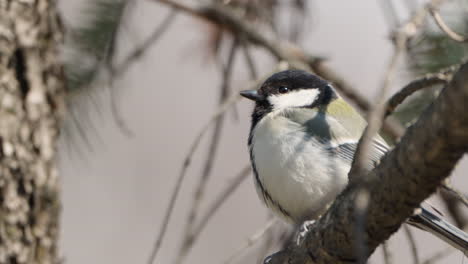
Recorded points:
(405,177)
(31,103)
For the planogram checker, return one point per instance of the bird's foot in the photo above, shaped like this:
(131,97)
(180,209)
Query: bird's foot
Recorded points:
(303,230)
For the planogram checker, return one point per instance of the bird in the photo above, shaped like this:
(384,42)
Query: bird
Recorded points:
(302,141)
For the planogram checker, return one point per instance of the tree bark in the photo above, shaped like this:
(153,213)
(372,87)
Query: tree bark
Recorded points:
(31,104)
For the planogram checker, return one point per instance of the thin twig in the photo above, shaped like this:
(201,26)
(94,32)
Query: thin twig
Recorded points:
(224,16)
(459,195)
(375,118)
(250,242)
(295,56)
(188,157)
(393,128)
(376,114)
(220,200)
(250,63)
(249,60)
(116,72)
(452,201)
(221,110)
(270,240)
(228,103)
(445,28)
(452,204)
(212,209)
(182,7)
(297,20)
(141,49)
(206,172)
(412,242)
(390,14)
(118,119)
(414,86)
(345,88)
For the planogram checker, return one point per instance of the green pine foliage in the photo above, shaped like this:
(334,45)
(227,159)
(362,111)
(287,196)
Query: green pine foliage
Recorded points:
(92,43)
(431,52)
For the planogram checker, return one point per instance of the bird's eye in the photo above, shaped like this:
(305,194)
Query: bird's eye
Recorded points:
(283,89)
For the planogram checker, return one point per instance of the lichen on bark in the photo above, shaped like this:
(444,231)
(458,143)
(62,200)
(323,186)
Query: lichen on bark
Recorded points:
(31,106)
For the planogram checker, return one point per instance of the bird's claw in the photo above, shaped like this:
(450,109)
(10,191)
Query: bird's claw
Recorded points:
(303,230)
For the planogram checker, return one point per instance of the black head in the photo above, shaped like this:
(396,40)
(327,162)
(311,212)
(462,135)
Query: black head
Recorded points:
(290,89)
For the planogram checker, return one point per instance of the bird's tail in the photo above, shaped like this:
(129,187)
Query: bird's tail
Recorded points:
(431,223)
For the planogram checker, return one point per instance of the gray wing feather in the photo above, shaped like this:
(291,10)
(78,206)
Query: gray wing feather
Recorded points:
(326,129)
(430,222)
(346,151)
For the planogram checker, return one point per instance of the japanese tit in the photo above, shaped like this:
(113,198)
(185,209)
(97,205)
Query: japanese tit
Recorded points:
(302,142)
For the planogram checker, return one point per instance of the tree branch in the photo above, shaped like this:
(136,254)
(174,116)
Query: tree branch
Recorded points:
(405,177)
(414,86)
(445,28)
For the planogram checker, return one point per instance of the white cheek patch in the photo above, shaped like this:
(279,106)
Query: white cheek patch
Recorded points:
(297,98)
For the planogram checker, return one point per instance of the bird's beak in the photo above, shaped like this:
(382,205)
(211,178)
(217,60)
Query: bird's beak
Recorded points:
(252,95)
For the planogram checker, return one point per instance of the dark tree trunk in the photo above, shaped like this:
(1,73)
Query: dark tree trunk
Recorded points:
(31,103)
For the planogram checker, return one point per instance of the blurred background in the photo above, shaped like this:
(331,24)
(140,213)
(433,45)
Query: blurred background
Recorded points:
(130,127)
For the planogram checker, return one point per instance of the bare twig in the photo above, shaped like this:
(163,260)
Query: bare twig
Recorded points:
(219,200)
(445,28)
(118,119)
(390,14)
(453,199)
(414,86)
(220,111)
(297,20)
(271,237)
(141,49)
(228,103)
(182,7)
(393,128)
(251,241)
(345,88)
(412,242)
(249,60)
(459,195)
(118,71)
(223,16)
(452,204)
(375,118)
(295,56)
(206,172)
(376,115)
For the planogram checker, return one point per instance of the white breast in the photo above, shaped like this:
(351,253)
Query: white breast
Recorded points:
(294,168)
